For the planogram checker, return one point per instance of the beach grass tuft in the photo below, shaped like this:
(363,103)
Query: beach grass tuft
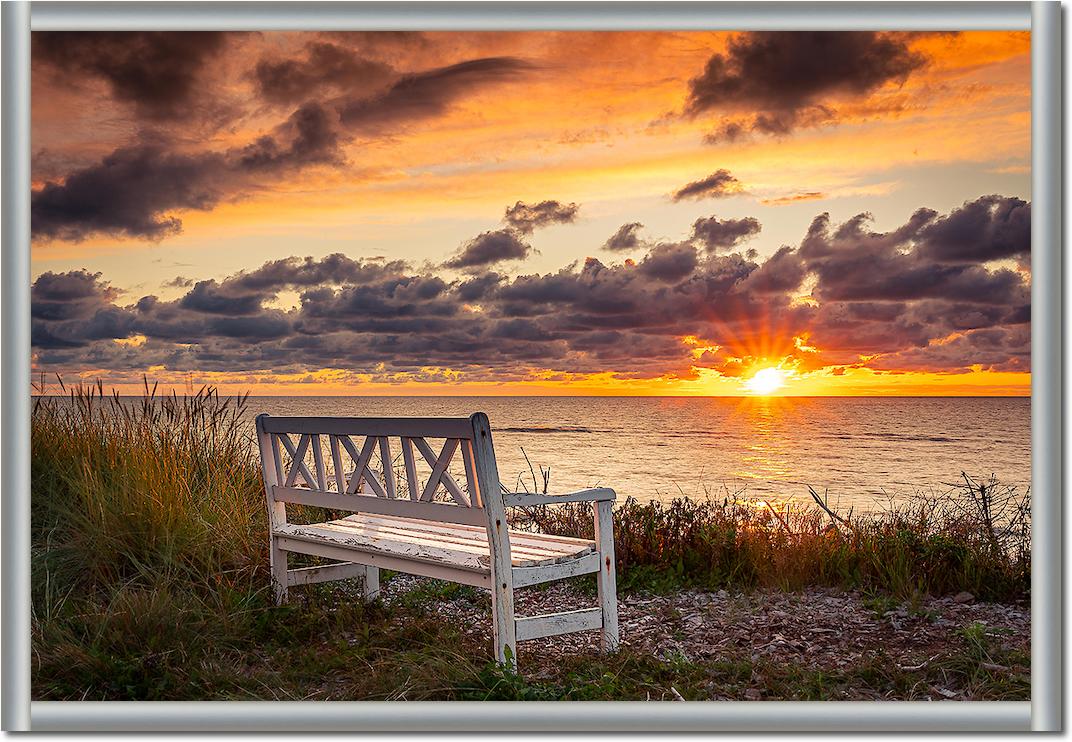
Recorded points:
(972,537)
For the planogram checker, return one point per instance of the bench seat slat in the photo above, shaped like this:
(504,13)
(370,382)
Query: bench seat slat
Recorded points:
(526,542)
(381,560)
(515,535)
(466,548)
(467,541)
(419,538)
(406,550)
(389,531)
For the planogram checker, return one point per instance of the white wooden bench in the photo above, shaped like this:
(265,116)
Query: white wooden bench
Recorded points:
(428,525)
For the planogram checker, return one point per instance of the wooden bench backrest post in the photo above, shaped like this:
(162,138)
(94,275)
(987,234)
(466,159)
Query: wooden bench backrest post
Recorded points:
(502,588)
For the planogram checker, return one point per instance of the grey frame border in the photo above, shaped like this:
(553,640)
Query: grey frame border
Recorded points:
(1043,713)
(15,365)
(1047,357)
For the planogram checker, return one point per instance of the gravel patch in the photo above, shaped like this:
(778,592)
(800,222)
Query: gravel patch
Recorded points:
(817,629)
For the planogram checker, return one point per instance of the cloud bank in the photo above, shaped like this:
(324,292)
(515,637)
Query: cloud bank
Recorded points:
(938,293)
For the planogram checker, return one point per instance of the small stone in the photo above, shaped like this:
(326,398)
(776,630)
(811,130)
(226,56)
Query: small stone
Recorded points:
(753,694)
(963,597)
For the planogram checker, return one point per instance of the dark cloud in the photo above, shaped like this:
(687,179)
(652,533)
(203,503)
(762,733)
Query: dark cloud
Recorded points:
(155,71)
(479,287)
(781,273)
(71,310)
(402,304)
(727,132)
(427,94)
(669,263)
(128,194)
(132,191)
(723,234)
(135,191)
(995,349)
(325,66)
(310,136)
(106,323)
(526,218)
(718,184)
(378,43)
(853,263)
(594,290)
(206,297)
(489,248)
(882,300)
(787,79)
(989,228)
(781,123)
(335,269)
(59,296)
(625,238)
(269,325)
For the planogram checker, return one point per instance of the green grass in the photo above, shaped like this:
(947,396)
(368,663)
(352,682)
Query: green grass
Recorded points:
(150,581)
(634,676)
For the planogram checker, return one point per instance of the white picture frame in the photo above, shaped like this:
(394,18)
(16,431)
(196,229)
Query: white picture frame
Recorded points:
(1043,713)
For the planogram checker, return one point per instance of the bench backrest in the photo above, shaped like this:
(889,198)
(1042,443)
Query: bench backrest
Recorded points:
(349,463)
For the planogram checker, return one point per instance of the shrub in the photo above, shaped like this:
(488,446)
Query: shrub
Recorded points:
(974,537)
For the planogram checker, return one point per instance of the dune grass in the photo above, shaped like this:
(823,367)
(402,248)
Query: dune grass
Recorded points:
(150,579)
(974,536)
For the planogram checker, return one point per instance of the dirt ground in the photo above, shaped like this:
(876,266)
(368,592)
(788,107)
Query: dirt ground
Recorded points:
(817,629)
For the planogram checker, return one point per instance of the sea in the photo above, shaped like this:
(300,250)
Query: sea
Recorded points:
(861,452)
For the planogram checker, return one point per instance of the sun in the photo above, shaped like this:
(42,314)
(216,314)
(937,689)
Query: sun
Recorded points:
(766,381)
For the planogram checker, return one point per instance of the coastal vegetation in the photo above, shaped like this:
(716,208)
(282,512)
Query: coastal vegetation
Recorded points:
(150,580)
(974,537)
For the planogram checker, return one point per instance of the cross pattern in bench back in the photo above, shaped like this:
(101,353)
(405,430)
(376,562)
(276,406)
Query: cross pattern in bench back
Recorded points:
(424,519)
(409,466)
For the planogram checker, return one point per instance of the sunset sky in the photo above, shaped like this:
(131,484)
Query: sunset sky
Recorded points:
(533,213)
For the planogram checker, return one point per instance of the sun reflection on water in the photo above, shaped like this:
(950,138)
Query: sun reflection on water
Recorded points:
(769,444)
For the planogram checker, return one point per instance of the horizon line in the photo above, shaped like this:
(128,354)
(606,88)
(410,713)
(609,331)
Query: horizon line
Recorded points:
(592,396)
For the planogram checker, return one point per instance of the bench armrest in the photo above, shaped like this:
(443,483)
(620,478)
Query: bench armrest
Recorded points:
(524,499)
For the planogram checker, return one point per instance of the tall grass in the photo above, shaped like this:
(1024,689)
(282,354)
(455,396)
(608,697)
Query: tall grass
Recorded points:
(148,531)
(157,488)
(975,536)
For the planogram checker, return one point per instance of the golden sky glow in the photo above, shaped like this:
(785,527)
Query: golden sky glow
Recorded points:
(254,148)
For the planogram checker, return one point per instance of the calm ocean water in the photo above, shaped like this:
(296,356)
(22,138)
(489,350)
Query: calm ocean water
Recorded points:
(861,449)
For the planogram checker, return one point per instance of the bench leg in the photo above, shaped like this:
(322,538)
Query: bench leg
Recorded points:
(278,559)
(606,582)
(503,630)
(371,589)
